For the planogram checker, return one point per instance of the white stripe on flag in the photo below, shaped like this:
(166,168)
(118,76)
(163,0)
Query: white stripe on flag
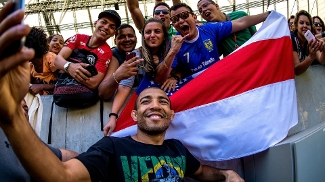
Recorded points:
(235,120)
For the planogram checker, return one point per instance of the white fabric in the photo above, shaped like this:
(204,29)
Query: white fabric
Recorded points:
(35,111)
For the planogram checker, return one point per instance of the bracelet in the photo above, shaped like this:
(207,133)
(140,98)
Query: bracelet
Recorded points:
(164,63)
(323,34)
(115,78)
(113,114)
(175,77)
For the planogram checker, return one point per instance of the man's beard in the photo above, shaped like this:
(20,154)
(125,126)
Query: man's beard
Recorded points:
(153,131)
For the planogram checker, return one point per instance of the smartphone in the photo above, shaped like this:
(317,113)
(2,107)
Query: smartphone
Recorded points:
(92,69)
(309,36)
(130,55)
(16,45)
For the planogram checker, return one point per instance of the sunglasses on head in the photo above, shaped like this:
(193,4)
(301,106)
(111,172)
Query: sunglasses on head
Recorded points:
(317,24)
(164,11)
(184,15)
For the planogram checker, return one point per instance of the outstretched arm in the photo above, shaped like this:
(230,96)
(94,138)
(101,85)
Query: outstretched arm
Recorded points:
(34,155)
(119,99)
(136,14)
(248,21)
(207,173)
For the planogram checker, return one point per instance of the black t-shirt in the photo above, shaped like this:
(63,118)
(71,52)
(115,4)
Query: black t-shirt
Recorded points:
(123,159)
(302,51)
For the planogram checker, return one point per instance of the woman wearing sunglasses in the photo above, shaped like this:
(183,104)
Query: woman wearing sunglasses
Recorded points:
(305,53)
(319,24)
(319,27)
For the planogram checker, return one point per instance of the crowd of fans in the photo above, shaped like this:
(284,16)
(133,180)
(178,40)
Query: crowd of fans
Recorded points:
(174,45)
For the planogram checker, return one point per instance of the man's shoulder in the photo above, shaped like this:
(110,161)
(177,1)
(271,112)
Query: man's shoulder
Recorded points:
(209,25)
(237,14)
(82,36)
(172,30)
(173,141)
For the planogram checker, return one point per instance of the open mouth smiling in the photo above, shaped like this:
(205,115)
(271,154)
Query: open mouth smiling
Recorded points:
(155,115)
(207,14)
(185,28)
(103,32)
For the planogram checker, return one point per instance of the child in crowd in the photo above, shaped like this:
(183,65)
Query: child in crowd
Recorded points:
(56,43)
(43,71)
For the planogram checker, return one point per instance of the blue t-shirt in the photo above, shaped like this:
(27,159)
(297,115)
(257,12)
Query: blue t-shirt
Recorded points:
(201,52)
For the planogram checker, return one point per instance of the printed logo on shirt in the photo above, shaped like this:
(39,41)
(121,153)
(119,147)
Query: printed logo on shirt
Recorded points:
(151,168)
(100,50)
(208,45)
(82,43)
(71,39)
(91,59)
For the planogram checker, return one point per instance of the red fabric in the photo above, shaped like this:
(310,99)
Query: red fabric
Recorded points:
(237,73)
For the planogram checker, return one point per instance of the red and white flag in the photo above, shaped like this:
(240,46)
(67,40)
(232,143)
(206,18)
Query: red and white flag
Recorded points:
(241,105)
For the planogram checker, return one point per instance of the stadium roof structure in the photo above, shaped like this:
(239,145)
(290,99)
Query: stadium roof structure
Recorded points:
(68,17)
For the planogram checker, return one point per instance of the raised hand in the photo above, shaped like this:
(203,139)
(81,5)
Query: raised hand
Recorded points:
(169,84)
(176,43)
(110,126)
(15,69)
(128,68)
(78,71)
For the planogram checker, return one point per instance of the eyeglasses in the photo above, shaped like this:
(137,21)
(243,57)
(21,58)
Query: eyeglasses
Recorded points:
(184,15)
(205,5)
(317,24)
(164,11)
(290,24)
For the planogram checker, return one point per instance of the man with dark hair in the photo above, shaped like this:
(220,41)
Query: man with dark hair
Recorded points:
(142,157)
(291,21)
(160,11)
(128,75)
(96,50)
(210,11)
(125,41)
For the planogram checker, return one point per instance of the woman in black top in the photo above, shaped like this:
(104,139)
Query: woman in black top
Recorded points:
(305,53)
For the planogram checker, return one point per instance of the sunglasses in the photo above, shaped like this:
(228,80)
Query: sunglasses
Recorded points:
(164,11)
(184,15)
(317,24)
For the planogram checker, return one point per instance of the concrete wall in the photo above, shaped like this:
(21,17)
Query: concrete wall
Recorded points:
(310,88)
